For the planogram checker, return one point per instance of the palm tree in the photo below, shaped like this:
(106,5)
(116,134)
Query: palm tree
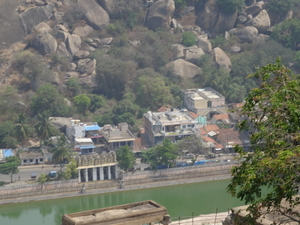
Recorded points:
(44,128)
(62,151)
(21,128)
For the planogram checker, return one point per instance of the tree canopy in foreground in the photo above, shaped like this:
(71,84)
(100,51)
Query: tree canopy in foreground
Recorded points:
(273,120)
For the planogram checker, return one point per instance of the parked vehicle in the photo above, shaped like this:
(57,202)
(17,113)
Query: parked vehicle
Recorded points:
(52,174)
(33,176)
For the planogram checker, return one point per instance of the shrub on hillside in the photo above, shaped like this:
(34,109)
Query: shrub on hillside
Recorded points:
(188,39)
(231,5)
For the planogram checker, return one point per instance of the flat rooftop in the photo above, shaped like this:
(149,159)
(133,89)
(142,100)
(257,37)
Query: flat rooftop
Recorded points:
(128,214)
(203,93)
(173,117)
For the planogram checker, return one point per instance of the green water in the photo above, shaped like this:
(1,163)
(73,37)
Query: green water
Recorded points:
(180,200)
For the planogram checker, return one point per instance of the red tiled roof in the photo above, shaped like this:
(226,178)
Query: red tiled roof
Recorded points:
(221,117)
(208,139)
(193,115)
(219,146)
(212,127)
(162,109)
(202,131)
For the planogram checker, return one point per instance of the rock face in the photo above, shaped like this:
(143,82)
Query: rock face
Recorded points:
(73,43)
(83,31)
(260,39)
(62,51)
(255,8)
(211,18)
(42,27)
(193,53)
(33,16)
(221,59)
(108,5)
(10,27)
(184,69)
(262,21)
(95,15)
(247,34)
(45,43)
(160,14)
(204,44)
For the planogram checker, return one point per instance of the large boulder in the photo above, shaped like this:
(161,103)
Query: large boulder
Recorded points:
(184,68)
(42,27)
(33,16)
(207,15)
(160,14)
(73,43)
(255,8)
(221,59)
(247,34)
(95,15)
(10,19)
(108,5)
(262,21)
(204,44)
(225,22)
(62,51)
(179,50)
(86,66)
(81,55)
(261,39)
(193,53)
(45,43)
(83,31)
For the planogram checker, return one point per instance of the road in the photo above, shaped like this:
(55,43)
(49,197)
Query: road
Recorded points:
(26,171)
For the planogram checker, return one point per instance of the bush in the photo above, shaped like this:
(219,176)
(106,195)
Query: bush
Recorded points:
(231,5)
(188,39)
(282,6)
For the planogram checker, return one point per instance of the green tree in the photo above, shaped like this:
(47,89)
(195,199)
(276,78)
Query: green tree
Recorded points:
(231,5)
(43,127)
(73,87)
(82,103)
(48,98)
(10,167)
(180,3)
(125,158)
(188,38)
(287,33)
(6,139)
(193,144)
(42,179)
(71,170)
(273,119)
(160,155)
(151,90)
(97,101)
(282,7)
(62,151)
(32,67)
(21,129)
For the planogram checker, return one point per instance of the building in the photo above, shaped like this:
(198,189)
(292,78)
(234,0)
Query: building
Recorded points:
(146,212)
(174,125)
(115,137)
(84,145)
(31,158)
(95,167)
(198,99)
(77,129)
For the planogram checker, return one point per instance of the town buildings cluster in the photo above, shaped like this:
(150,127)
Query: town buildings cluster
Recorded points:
(205,114)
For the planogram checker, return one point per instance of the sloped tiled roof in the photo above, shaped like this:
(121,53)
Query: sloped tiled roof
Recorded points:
(162,109)
(212,127)
(208,139)
(193,115)
(221,117)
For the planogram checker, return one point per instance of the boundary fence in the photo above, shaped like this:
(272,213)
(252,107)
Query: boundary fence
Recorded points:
(137,178)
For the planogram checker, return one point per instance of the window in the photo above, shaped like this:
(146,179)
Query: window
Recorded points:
(183,126)
(41,160)
(31,160)
(25,161)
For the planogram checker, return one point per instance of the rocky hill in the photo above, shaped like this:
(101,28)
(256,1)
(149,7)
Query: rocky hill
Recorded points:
(124,57)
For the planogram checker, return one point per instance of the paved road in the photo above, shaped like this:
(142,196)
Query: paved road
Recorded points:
(26,171)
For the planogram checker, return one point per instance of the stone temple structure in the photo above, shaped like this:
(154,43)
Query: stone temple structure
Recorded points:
(97,167)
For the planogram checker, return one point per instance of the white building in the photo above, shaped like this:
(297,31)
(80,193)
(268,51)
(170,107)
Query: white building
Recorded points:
(174,125)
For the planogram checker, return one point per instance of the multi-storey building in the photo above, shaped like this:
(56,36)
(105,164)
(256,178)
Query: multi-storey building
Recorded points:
(173,124)
(196,100)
